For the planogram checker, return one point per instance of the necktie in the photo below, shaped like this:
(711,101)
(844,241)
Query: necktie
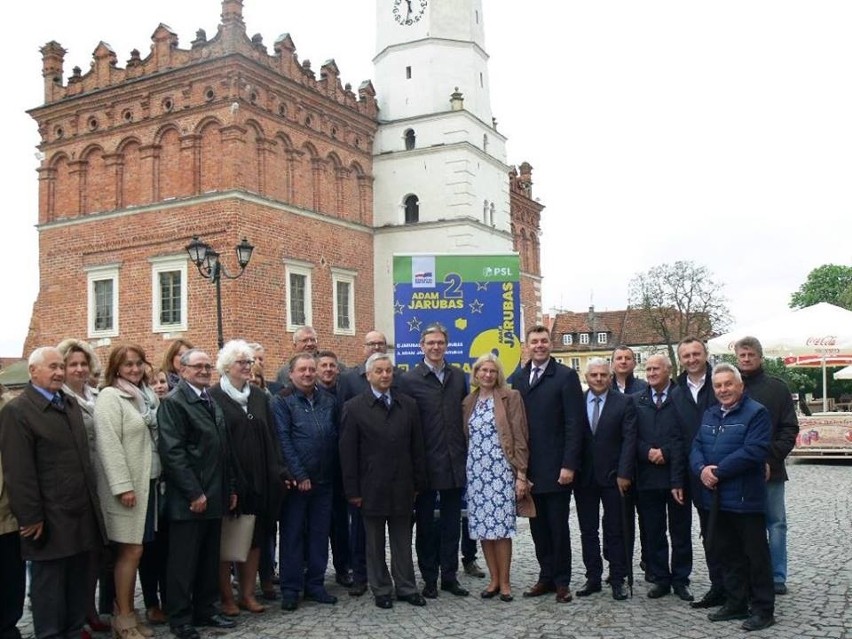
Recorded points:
(385,400)
(208,403)
(536,375)
(596,414)
(659,400)
(57,401)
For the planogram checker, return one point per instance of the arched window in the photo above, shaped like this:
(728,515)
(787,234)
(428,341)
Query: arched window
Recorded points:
(410,139)
(412,209)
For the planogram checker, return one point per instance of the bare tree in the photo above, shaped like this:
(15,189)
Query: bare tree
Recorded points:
(680,299)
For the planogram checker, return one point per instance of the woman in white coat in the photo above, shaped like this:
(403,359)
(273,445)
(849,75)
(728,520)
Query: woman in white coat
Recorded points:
(126,441)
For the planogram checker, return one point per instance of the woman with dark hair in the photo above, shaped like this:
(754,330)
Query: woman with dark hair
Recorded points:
(80,361)
(249,420)
(126,441)
(171,360)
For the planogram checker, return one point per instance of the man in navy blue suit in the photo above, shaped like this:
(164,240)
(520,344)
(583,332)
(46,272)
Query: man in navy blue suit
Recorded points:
(553,399)
(607,465)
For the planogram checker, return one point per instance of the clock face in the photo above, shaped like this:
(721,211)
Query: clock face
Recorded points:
(408,12)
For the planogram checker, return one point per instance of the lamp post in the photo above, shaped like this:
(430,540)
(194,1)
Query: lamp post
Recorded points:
(206,260)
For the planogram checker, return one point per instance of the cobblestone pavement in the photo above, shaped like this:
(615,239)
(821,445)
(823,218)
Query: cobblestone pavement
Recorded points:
(819,604)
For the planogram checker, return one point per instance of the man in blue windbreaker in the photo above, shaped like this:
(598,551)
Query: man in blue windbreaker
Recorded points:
(729,455)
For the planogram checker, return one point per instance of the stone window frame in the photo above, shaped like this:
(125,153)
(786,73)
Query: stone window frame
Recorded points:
(305,269)
(166,264)
(343,276)
(101,273)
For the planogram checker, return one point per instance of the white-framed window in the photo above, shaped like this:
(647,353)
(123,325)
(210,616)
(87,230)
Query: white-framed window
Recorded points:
(601,338)
(575,363)
(343,304)
(567,340)
(168,293)
(102,293)
(297,284)
(584,338)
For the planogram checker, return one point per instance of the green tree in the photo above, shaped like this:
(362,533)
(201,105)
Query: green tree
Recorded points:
(680,299)
(830,283)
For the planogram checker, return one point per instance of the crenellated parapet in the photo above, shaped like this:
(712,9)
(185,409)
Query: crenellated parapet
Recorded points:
(166,55)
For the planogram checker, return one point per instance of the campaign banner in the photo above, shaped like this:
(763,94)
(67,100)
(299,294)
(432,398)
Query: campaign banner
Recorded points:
(476,297)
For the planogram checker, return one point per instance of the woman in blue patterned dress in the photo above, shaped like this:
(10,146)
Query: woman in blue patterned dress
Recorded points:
(496,426)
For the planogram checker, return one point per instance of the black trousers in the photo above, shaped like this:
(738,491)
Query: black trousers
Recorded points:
(58,595)
(659,512)
(438,546)
(192,578)
(740,540)
(339,531)
(153,566)
(402,564)
(589,500)
(13,579)
(468,545)
(551,537)
(711,553)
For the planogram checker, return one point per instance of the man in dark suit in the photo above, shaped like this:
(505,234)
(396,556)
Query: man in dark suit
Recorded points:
(607,467)
(623,365)
(553,399)
(439,389)
(52,493)
(350,384)
(384,466)
(660,477)
(695,397)
(194,451)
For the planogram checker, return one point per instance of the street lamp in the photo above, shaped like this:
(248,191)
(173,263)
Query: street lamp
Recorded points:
(206,260)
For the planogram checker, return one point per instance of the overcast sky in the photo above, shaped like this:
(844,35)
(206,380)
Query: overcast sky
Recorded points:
(719,132)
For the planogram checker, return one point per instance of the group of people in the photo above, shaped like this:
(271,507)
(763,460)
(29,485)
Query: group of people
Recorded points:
(139,475)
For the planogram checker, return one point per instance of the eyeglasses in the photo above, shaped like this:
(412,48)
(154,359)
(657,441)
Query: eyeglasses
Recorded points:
(244,362)
(308,340)
(201,367)
(375,344)
(432,343)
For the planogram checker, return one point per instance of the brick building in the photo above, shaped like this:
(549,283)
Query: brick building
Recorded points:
(223,140)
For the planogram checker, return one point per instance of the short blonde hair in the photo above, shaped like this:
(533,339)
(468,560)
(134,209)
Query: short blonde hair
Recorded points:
(489,357)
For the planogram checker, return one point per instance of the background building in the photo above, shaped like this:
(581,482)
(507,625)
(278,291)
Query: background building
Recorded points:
(226,140)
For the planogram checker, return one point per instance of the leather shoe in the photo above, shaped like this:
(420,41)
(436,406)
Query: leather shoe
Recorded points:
(589,588)
(430,591)
(658,591)
(727,613)
(185,631)
(682,591)
(757,622)
(540,588)
(489,594)
(216,621)
(384,602)
(415,599)
(472,569)
(506,596)
(344,579)
(321,597)
(619,592)
(357,589)
(289,605)
(454,588)
(563,594)
(714,597)
(780,589)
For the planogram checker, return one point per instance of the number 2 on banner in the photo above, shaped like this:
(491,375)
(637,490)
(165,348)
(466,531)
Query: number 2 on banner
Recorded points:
(454,284)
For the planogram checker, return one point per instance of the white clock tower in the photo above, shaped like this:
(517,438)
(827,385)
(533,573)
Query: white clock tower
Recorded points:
(441,179)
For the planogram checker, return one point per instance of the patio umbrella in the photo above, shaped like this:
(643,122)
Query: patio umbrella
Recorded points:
(843,373)
(822,330)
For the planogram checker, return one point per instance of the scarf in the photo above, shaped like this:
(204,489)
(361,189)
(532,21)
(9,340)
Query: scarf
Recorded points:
(239,396)
(146,403)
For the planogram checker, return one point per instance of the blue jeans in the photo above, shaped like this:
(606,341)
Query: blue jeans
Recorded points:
(305,523)
(776,525)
